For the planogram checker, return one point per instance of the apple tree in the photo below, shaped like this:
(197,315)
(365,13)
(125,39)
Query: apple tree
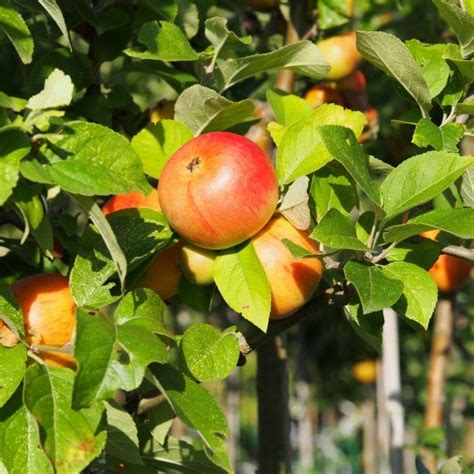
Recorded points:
(77,89)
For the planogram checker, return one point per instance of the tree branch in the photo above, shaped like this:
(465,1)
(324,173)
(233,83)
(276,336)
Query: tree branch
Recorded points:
(336,296)
(458,251)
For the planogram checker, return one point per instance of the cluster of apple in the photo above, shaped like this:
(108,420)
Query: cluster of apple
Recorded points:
(218,191)
(344,84)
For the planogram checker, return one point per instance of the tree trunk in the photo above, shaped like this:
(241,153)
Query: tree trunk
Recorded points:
(383,427)
(274,452)
(369,457)
(392,391)
(303,394)
(233,416)
(440,347)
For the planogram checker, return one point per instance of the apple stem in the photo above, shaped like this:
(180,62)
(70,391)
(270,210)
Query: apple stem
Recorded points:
(193,164)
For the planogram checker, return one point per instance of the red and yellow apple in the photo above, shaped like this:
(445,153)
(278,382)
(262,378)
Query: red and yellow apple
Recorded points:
(218,190)
(292,281)
(197,264)
(450,273)
(355,82)
(49,314)
(319,95)
(342,55)
(163,275)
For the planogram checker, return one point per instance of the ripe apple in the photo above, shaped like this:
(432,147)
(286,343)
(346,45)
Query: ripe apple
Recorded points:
(372,127)
(365,371)
(450,273)
(49,314)
(162,110)
(132,200)
(163,275)
(319,95)
(355,82)
(292,281)
(218,190)
(341,54)
(197,264)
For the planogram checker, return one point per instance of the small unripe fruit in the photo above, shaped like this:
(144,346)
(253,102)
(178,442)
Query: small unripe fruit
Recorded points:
(162,111)
(197,264)
(132,200)
(365,371)
(163,275)
(49,314)
(218,190)
(292,281)
(319,95)
(341,54)
(449,272)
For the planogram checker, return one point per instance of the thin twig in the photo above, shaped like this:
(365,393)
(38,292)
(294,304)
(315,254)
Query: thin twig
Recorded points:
(458,251)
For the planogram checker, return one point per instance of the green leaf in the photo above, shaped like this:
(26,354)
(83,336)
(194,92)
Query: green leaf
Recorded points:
(72,439)
(143,308)
(452,466)
(110,240)
(332,189)
(197,297)
(14,146)
(156,143)
(13,103)
(465,67)
(302,57)
(94,350)
(342,145)
(296,250)
(209,355)
(164,41)
(288,108)
(57,92)
(368,326)
(420,178)
(55,13)
(376,291)
(337,231)
(90,159)
(461,22)
(188,18)
(177,455)
(140,233)
(302,150)
(459,222)
(423,254)
(122,437)
(195,407)
(15,28)
(10,312)
(226,43)
(204,110)
(467,187)
(444,138)
(331,14)
(29,205)
(419,295)
(12,370)
(454,90)
(276,131)
(389,54)
(433,65)
(243,284)
(467,107)
(20,444)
